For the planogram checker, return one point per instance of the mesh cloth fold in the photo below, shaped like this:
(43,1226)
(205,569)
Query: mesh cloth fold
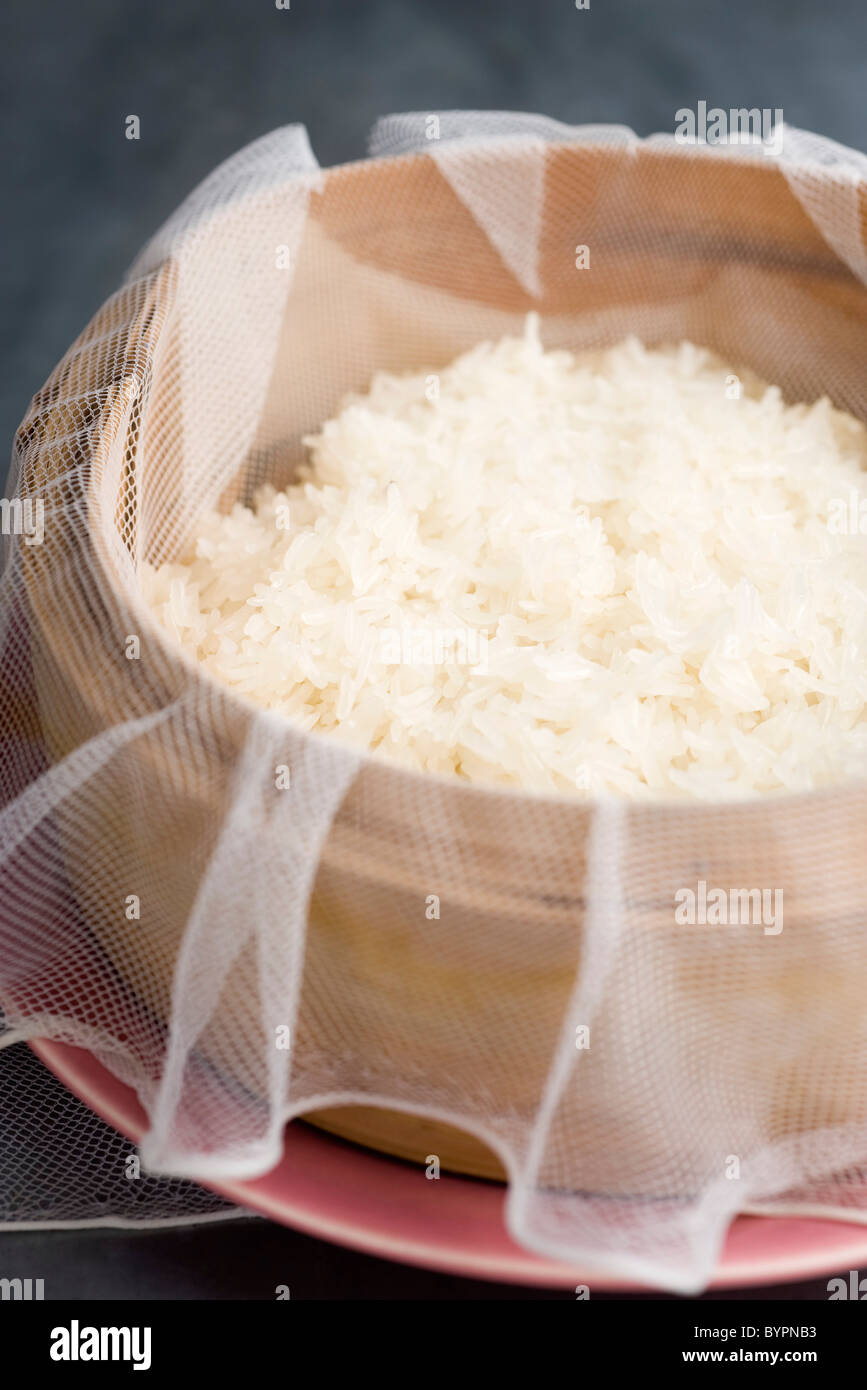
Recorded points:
(164,905)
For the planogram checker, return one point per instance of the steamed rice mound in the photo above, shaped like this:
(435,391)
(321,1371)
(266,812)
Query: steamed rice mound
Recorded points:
(621,571)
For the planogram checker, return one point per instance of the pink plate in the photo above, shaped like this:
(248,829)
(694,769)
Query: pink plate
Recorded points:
(357,1198)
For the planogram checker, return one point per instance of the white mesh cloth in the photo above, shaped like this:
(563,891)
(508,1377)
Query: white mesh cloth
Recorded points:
(165,906)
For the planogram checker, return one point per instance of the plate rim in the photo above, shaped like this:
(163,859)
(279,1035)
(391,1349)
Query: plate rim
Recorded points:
(507,1262)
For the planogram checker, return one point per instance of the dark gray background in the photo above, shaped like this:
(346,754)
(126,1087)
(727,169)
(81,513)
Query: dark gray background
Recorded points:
(207,76)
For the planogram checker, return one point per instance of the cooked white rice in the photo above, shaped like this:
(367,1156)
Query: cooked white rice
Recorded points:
(613,572)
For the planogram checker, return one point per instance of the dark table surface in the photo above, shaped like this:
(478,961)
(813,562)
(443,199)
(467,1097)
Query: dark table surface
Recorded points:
(207,76)
(249,1258)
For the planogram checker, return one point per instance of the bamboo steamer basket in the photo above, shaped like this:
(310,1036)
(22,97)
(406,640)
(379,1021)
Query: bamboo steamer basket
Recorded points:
(725,245)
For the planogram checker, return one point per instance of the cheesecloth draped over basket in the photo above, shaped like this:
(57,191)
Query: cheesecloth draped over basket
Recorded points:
(165,905)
